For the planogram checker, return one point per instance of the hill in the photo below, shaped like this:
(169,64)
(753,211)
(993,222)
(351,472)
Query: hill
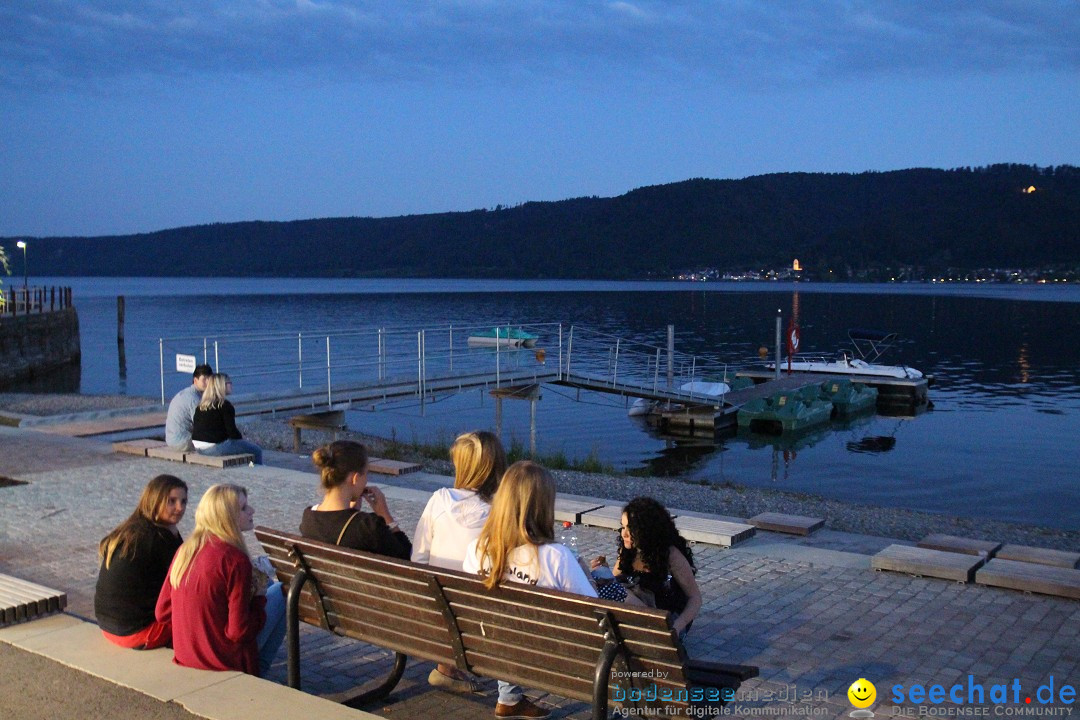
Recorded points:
(847,223)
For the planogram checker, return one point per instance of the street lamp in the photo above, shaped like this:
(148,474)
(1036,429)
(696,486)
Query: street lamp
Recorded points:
(22,245)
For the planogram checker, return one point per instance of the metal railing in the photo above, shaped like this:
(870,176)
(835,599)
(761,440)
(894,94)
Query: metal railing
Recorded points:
(27,300)
(624,364)
(424,360)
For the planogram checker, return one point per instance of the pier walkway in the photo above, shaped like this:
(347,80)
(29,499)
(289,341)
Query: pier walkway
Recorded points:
(808,611)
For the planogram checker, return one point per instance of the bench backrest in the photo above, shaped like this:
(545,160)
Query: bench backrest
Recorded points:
(539,638)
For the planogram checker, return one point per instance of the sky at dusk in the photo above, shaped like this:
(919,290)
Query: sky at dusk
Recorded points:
(120,116)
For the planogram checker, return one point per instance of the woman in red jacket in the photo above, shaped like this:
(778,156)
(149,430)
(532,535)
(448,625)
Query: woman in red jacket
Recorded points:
(224,615)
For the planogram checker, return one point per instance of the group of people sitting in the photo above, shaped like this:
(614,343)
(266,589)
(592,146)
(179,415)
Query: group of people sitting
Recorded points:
(219,610)
(201,419)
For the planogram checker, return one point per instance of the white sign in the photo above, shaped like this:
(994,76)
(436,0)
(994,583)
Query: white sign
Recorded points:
(185,363)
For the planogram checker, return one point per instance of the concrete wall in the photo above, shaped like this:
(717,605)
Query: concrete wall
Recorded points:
(32,345)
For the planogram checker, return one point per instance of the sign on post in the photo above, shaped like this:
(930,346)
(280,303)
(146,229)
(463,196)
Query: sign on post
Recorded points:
(185,363)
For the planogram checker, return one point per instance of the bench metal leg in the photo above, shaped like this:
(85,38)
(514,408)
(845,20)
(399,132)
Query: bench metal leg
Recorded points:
(383,689)
(292,627)
(600,679)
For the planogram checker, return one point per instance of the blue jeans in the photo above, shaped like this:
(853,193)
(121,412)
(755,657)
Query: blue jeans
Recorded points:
(273,632)
(509,694)
(235,447)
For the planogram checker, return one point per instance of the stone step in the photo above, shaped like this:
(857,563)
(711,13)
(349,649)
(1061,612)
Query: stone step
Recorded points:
(572,510)
(713,531)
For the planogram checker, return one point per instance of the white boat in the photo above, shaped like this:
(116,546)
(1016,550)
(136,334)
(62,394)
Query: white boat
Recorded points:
(697,388)
(870,345)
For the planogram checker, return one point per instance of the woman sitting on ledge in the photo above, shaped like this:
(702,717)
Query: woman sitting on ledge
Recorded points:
(135,559)
(213,429)
(226,614)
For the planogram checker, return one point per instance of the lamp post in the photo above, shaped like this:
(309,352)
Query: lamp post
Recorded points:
(22,245)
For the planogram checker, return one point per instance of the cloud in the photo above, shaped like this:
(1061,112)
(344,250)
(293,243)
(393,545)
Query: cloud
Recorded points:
(748,42)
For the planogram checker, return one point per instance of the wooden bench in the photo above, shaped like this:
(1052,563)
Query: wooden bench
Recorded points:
(332,420)
(159,450)
(580,648)
(21,600)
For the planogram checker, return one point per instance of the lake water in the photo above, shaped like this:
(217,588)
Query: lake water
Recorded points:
(999,442)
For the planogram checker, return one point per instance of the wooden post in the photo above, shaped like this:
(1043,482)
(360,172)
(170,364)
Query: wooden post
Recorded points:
(776,374)
(670,357)
(120,319)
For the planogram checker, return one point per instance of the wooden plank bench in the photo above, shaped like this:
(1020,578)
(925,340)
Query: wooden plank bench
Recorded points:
(1040,556)
(927,563)
(159,450)
(790,524)
(545,639)
(331,420)
(21,600)
(965,546)
(1031,577)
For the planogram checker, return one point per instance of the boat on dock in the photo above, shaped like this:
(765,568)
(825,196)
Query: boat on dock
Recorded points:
(901,389)
(503,337)
(710,392)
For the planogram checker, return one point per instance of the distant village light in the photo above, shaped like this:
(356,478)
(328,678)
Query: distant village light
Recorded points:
(1029,189)
(795,266)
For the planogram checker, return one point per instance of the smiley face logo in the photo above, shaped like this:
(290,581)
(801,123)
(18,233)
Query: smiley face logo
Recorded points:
(862,693)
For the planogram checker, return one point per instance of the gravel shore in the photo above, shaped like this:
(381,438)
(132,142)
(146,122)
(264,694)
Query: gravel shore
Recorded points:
(727,499)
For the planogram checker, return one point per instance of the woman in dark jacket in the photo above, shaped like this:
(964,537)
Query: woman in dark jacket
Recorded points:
(338,519)
(135,559)
(213,429)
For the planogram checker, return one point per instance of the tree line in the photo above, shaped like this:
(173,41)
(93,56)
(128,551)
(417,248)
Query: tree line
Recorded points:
(845,222)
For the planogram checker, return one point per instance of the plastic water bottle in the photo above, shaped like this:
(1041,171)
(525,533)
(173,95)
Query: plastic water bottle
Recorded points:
(568,537)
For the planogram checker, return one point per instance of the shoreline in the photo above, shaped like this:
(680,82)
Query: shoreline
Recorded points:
(727,499)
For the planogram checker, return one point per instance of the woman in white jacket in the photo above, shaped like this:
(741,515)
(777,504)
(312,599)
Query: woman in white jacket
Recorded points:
(454,517)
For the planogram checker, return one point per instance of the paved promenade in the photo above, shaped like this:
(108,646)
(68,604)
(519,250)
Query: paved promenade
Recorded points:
(809,612)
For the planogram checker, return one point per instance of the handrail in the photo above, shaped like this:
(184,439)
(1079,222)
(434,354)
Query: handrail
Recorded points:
(30,300)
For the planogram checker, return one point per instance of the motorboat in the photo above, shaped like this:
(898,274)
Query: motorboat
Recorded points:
(503,337)
(868,346)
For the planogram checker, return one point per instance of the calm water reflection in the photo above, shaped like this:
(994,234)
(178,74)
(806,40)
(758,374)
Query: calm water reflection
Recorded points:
(999,442)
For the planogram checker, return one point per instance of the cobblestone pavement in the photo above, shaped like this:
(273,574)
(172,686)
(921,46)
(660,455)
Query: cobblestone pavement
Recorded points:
(813,625)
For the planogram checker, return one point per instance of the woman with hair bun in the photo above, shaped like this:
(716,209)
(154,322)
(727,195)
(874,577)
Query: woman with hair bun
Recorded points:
(653,555)
(454,517)
(343,480)
(135,559)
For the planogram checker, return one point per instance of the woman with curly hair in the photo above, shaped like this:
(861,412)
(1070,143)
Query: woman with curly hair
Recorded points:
(654,556)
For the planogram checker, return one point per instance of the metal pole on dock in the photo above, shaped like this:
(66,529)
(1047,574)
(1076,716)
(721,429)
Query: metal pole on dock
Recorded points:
(300,356)
(569,350)
(776,374)
(382,353)
(161,366)
(329,397)
(532,426)
(615,373)
(217,362)
(670,357)
(560,351)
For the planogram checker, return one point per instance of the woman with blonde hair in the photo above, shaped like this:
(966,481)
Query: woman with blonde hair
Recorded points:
(135,559)
(224,612)
(518,544)
(343,480)
(454,517)
(213,427)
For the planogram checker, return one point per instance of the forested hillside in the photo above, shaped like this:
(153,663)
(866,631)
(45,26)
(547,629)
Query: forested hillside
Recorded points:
(967,217)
